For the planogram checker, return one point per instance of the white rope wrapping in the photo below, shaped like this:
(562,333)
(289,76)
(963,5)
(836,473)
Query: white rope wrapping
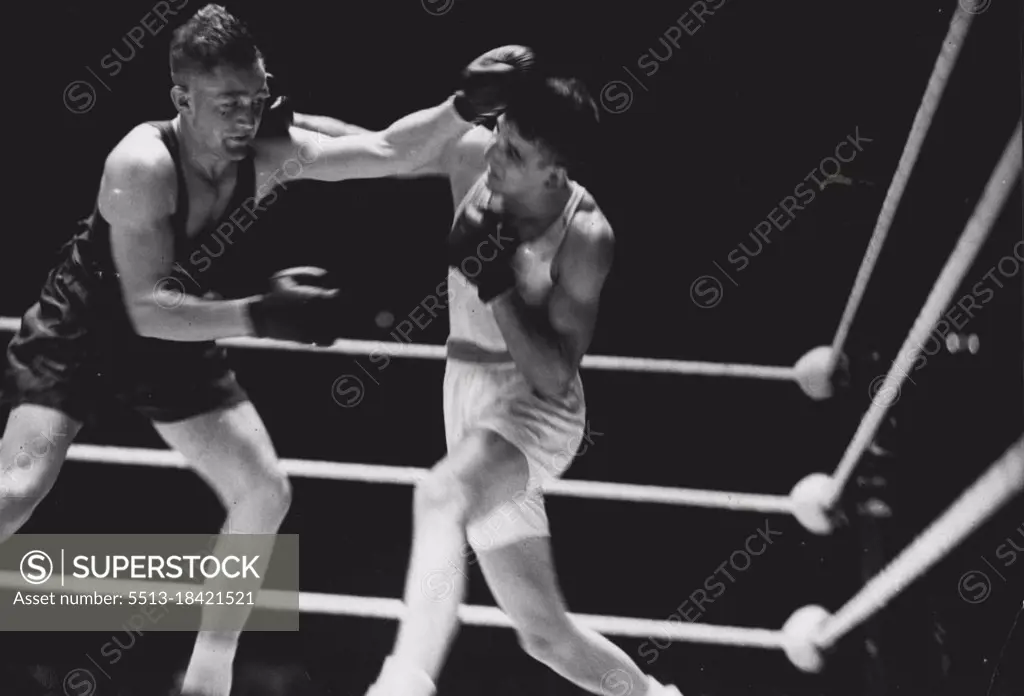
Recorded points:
(396,349)
(385,608)
(918,130)
(1003,480)
(974,235)
(376,473)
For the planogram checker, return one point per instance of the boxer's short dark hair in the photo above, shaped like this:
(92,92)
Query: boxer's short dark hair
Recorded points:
(559,114)
(213,37)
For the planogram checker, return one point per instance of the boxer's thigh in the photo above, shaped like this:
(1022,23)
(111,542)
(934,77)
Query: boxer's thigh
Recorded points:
(196,404)
(503,415)
(548,431)
(231,449)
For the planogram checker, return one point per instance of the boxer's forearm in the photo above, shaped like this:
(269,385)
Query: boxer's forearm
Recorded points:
(420,137)
(186,318)
(536,348)
(328,126)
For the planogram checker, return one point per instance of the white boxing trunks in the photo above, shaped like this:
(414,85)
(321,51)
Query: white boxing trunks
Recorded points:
(488,392)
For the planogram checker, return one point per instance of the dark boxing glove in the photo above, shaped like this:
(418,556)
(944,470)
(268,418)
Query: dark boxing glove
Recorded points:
(277,119)
(298,308)
(483,246)
(488,81)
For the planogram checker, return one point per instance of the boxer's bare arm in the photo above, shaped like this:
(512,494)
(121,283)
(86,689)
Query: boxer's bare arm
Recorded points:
(548,342)
(334,128)
(584,265)
(137,198)
(408,144)
(461,160)
(330,127)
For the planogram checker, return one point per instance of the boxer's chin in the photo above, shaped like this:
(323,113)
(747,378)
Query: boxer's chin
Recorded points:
(236,148)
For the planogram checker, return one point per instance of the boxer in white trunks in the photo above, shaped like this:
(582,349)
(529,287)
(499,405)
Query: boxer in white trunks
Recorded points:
(529,252)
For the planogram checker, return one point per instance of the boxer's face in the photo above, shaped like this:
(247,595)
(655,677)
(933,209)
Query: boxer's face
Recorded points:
(516,165)
(225,107)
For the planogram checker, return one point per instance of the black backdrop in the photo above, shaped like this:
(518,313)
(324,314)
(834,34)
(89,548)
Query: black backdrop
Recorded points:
(692,158)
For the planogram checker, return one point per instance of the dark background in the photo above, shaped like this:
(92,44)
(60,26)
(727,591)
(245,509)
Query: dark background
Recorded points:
(727,127)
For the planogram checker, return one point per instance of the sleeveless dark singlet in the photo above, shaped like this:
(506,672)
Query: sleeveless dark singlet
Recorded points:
(90,256)
(77,345)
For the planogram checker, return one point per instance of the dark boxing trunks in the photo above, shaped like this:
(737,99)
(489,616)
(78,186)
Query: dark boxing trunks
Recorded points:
(76,346)
(75,350)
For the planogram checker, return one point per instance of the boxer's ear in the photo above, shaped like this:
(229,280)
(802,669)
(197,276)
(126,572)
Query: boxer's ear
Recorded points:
(557,178)
(181,99)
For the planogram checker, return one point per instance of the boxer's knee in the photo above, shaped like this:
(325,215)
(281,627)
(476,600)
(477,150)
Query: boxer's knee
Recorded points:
(442,492)
(15,511)
(273,494)
(547,639)
(22,488)
(464,483)
(32,450)
(264,487)
(538,645)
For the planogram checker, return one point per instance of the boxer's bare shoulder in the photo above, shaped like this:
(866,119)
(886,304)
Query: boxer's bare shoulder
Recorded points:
(585,258)
(589,218)
(142,147)
(589,228)
(139,170)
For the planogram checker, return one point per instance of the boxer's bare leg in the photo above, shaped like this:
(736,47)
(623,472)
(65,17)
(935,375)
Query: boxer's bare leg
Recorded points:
(232,451)
(35,443)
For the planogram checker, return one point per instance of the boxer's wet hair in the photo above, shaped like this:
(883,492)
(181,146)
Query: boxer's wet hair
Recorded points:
(559,115)
(213,37)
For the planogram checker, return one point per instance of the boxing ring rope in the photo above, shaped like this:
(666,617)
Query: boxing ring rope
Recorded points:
(394,609)
(398,349)
(1003,480)
(918,130)
(800,638)
(811,629)
(973,237)
(378,473)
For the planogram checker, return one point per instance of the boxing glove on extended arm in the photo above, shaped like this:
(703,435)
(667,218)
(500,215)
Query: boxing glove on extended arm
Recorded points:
(488,81)
(277,119)
(298,308)
(483,247)
(279,116)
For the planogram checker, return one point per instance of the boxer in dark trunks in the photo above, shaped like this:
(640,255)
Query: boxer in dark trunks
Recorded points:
(121,315)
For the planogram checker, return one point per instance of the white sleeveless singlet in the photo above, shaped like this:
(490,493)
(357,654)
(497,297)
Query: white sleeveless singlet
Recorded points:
(470,319)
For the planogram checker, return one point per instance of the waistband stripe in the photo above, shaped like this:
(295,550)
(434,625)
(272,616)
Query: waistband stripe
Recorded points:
(465,351)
